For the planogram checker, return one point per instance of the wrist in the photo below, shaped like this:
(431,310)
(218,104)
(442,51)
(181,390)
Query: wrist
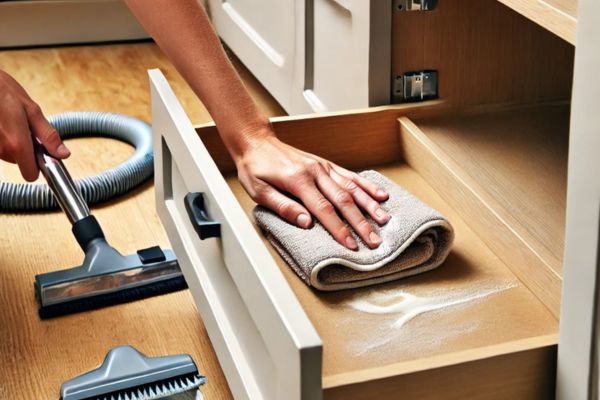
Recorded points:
(248,138)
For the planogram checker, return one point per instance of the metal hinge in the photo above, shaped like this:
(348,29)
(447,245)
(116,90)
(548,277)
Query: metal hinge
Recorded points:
(415,86)
(414,5)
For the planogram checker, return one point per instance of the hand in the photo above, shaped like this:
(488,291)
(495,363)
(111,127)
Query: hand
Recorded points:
(272,172)
(21,119)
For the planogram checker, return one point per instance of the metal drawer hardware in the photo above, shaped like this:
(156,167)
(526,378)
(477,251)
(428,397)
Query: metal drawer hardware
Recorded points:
(414,5)
(203,225)
(415,86)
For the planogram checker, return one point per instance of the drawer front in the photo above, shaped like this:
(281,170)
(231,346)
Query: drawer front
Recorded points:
(266,344)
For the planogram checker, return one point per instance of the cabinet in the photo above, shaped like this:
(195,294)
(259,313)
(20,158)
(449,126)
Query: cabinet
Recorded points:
(491,154)
(49,22)
(312,55)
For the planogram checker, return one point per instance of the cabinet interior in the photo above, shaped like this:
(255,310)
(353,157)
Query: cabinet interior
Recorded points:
(484,52)
(490,154)
(513,316)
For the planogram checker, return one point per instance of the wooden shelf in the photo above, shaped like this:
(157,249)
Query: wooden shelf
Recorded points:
(513,165)
(557,16)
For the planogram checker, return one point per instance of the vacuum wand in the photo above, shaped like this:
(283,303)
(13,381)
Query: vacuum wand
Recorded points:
(106,277)
(85,226)
(60,182)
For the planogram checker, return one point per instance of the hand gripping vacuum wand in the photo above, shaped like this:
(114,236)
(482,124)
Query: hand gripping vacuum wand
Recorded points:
(106,277)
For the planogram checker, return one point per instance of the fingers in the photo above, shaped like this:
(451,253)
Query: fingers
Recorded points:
(372,189)
(362,199)
(21,147)
(285,207)
(343,200)
(45,132)
(270,172)
(21,119)
(324,211)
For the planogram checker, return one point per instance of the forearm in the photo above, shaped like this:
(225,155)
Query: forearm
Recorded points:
(183,31)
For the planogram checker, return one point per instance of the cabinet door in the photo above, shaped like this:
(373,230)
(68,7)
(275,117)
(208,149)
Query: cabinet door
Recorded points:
(347,59)
(577,377)
(263,34)
(312,55)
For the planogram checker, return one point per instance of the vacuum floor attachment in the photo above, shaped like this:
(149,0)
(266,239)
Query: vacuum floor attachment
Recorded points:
(128,374)
(106,277)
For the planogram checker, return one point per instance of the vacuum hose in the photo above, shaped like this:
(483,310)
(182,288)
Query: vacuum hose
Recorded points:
(95,189)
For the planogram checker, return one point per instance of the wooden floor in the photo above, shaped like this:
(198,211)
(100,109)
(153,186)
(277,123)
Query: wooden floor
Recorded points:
(37,356)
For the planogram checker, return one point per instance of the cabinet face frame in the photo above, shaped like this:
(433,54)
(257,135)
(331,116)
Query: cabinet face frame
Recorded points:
(577,375)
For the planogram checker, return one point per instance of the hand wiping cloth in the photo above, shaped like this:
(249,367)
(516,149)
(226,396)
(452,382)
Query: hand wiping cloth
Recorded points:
(416,239)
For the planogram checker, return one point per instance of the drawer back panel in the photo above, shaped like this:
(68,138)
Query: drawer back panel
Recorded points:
(353,139)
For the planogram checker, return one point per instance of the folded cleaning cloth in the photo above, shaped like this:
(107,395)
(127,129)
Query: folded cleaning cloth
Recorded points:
(415,239)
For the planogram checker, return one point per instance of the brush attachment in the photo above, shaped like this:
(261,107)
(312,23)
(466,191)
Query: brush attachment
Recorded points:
(128,374)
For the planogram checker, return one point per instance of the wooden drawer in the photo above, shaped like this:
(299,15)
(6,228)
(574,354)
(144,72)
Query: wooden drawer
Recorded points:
(278,339)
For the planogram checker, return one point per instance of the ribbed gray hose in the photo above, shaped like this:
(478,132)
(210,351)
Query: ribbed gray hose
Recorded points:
(95,189)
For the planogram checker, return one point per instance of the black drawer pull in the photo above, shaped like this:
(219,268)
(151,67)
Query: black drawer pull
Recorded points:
(204,226)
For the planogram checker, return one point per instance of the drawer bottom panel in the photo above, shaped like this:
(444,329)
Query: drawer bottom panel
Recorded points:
(493,308)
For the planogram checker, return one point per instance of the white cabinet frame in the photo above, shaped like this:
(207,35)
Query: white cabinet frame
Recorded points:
(577,376)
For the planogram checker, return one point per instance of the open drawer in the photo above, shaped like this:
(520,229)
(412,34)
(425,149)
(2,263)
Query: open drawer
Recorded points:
(276,338)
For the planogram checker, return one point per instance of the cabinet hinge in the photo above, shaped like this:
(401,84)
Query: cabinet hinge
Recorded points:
(415,86)
(414,5)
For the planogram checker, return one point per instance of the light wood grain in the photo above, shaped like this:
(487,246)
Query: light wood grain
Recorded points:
(440,361)
(523,375)
(511,165)
(520,158)
(484,53)
(37,356)
(557,16)
(503,317)
(341,137)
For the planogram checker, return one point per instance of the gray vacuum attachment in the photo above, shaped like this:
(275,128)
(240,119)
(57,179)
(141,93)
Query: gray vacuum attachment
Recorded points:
(106,277)
(128,374)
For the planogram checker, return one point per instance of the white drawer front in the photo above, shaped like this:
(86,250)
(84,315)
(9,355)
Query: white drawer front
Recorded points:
(266,344)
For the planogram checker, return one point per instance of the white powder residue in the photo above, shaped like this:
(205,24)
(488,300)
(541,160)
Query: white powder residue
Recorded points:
(413,342)
(407,306)
(410,306)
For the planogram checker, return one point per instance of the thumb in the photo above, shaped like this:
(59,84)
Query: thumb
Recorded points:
(46,134)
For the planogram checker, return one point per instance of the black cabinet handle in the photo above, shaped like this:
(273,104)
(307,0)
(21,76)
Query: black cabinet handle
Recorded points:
(204,226)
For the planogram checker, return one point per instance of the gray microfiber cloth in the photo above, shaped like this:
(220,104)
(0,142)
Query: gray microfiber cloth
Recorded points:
(415,239)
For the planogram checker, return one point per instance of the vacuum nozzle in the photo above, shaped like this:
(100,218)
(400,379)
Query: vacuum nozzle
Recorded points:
(106,277)
(128,374)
